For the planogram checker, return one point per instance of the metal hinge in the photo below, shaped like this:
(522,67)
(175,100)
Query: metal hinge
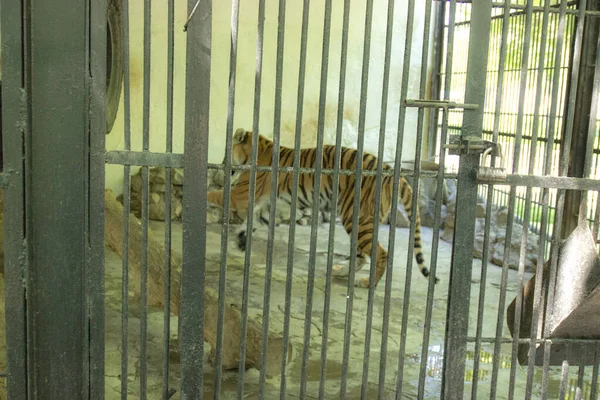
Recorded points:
(476,145)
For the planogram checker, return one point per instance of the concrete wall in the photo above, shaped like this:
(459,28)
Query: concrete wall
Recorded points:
(246,62)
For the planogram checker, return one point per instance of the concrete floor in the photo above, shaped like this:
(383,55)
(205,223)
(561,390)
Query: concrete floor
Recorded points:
(414,332)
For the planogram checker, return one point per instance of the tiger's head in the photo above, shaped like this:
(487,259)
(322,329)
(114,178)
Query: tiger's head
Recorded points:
(241,151)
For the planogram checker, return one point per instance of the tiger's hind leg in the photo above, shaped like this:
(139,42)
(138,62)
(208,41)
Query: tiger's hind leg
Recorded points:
(364,246)
(381,265)
(259,220)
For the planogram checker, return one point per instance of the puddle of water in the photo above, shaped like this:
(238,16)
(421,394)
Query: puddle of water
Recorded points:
(333,370)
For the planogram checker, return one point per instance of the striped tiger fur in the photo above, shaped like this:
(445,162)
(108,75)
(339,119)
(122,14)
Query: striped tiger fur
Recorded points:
(303,215)
(241,153)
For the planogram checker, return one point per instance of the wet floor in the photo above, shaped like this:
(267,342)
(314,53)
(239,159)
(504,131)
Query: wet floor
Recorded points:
(414,372)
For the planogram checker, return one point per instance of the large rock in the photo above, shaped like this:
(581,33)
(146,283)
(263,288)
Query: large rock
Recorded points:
(178,176)
(447,234)
(480,209)
(531,248)
(502,216)
(402,220)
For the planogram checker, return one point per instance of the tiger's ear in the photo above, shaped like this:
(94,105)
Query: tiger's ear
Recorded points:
(240,136)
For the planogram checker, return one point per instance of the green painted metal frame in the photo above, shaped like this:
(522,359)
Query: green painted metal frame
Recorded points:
(53,124)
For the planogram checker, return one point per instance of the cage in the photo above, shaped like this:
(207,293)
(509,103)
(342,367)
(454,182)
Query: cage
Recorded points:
(157,246)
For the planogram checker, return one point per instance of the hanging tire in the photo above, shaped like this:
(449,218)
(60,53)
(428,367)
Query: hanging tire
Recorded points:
(114,61)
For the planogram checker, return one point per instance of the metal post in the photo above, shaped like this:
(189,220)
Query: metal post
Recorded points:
(582,116)
(54,122)
(95,146)
(462,256)
(15,262)
(436,82)
(194,199)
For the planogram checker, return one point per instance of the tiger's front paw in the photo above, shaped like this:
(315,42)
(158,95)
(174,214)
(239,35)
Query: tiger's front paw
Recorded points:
(340,270)
(362,282)
(303,221)
(242,240)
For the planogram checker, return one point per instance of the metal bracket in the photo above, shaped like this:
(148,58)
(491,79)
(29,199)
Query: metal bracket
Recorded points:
(439,104)
(475,145)
(471,145)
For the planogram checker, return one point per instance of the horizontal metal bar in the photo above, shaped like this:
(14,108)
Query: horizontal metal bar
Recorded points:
(326,171)
(175,160)
(144,158)
(552,182)
(555,9)
(439,104)
(472,339)
(536,10)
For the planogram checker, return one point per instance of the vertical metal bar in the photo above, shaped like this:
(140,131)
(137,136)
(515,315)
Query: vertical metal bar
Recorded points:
(95,245)
(145,205)
(583,102)
(395,189)
(564,375)
(144,286)
(316,198)
(273,198)
(126,205)
(591,132)
(357,190)
(14,129)
(378,184)
(294,205)
(546,366)
(594,385)
(167,286)
(596,227)
(511,204)
(438,204)
(547,165)
(490,194)
(565,158)
(334,196)
(168,197)
(87,84)
(415,201)
(195,201)
(251,195)
(57,110)
(27,178)
(462,256)
(527,213)
(235,10)
(436,87)
(580,373)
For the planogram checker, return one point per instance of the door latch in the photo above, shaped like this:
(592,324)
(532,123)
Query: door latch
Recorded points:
(476,145)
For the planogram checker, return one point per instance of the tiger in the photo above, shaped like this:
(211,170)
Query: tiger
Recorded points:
(303,215)
(239,198)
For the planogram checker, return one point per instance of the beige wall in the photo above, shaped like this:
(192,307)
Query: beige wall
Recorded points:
(246,71)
